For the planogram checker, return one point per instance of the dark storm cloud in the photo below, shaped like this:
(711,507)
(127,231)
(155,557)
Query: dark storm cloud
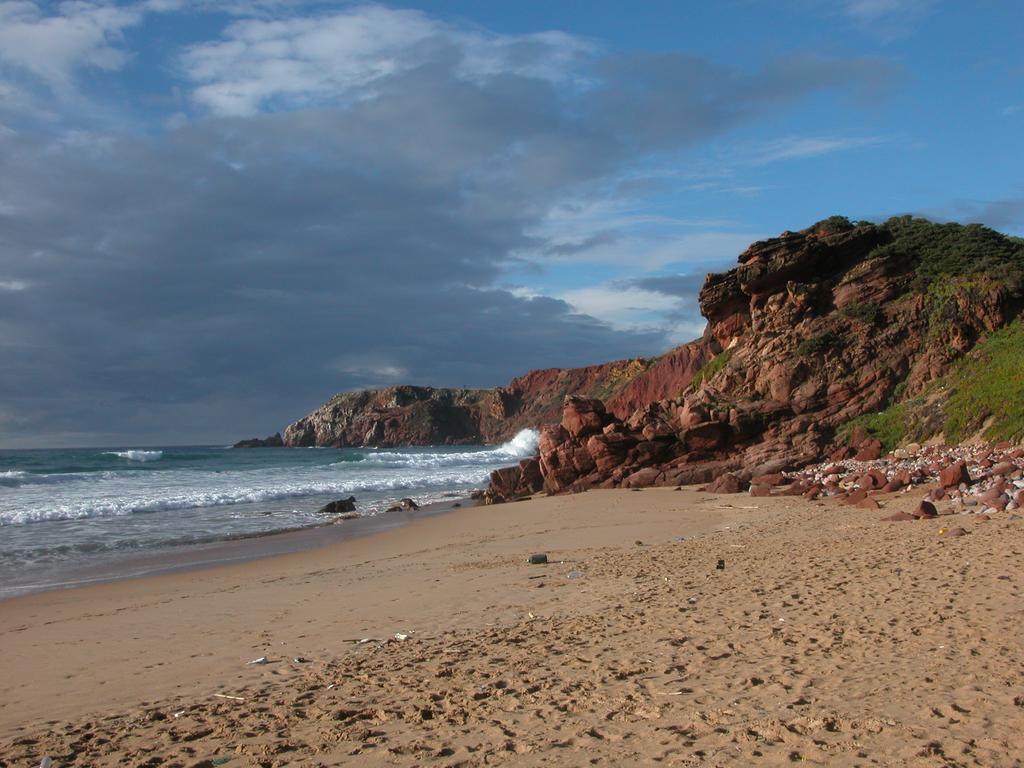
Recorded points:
(219,280)
(607,237)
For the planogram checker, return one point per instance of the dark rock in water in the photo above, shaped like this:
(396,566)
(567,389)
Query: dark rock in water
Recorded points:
(339,506)
(408,504)
(274,441)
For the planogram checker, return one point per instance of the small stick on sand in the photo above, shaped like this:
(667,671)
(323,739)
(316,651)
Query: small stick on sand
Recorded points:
(225,696)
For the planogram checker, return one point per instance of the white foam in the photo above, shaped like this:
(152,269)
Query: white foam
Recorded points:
(136,454)
(159,500)
(522,446)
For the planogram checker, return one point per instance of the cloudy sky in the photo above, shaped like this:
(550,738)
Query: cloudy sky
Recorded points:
(215,214)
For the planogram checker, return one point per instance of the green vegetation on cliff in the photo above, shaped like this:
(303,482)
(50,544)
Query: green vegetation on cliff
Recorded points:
(890,426)
(712,368)
(951,250)
(988,386)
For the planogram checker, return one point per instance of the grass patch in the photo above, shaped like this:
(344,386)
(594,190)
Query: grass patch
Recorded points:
(863,311)
(989,383)
(818,345)
(889,426)
(712,368)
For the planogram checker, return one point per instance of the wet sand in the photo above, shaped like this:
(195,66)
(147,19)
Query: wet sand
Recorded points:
(829,638)
(199,556)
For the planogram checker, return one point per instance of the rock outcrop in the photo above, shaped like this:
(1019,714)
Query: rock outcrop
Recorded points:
(408,415)
(810,331)
(274,441)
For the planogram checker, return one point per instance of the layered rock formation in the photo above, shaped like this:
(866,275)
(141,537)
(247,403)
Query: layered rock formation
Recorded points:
(811,330)
(408,415)
(397,416)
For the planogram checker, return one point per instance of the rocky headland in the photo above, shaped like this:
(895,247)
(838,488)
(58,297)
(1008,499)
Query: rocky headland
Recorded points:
(838,342)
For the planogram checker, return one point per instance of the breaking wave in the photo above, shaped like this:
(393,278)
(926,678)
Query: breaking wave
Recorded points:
(522,446)
(139,503)
(136,455)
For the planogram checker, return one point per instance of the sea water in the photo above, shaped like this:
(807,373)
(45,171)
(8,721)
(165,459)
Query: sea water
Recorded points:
(61,510)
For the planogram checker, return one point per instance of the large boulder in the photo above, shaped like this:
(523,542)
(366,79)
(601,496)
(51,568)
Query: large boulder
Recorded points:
(954,474)
(583,416)
(338,507)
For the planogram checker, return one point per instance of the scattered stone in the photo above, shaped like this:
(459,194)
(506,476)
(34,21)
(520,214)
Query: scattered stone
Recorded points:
(868,503)
(538,559)
(856,497)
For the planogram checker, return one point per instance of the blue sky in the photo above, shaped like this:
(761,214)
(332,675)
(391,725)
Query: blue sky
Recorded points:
(214,214)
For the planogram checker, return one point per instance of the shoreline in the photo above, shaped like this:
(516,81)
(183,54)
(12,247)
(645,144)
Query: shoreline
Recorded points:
(828,637)
(212,554)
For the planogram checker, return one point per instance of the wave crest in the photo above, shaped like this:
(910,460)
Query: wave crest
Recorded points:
(522,446)
(136,454)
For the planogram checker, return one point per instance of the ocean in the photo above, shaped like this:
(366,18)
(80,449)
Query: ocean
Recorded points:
(65,513)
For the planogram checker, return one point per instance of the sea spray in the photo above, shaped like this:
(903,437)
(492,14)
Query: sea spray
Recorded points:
(136,454)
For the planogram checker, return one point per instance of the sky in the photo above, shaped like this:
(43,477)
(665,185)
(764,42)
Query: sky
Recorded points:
(216,214)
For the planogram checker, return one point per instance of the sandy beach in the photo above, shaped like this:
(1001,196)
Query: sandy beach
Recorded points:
(829,638)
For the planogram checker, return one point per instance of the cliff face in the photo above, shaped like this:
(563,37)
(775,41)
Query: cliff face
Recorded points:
(808,334)
(408,415)
(811,330)
(396,416)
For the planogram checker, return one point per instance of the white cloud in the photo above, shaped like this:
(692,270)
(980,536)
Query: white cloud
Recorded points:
(303,61)
(54,46)
(794,147)
(872,10)
(13,285)
(622,308)
(634,309)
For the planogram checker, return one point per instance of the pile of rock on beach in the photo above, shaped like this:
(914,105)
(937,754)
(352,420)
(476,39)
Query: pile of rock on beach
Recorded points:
(973,478)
